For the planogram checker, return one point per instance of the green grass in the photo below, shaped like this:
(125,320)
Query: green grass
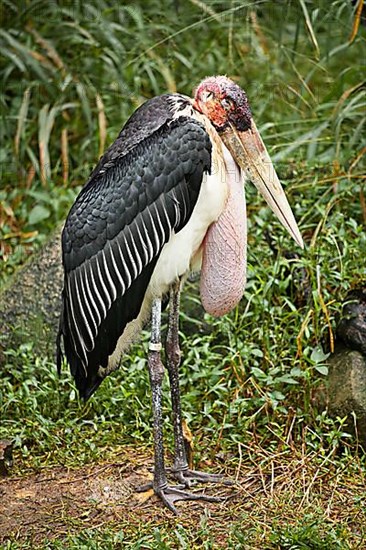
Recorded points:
(71,76)
(302,537)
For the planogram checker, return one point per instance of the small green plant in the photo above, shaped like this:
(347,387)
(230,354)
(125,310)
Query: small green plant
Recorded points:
(310,535)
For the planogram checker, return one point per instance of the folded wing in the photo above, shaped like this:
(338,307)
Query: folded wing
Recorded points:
(114,234)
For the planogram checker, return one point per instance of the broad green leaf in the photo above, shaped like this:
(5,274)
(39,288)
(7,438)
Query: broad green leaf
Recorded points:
(318,355)
(38,214)
(322,369)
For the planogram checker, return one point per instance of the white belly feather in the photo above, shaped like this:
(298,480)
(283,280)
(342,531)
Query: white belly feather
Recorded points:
(182,253)
(177,255)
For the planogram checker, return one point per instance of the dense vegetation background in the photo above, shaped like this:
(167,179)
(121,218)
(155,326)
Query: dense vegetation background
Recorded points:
(72,73)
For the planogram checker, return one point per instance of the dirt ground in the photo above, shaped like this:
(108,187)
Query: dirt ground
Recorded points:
(58,501)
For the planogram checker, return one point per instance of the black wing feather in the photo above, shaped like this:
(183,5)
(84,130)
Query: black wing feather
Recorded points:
(115,232)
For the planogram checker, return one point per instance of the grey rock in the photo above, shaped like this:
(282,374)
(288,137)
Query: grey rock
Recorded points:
(6,456)
(31,301)
(351,329)
(343,393)
(347,389)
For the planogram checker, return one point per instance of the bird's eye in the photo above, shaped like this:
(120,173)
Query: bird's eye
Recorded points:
(226,103)
(208,96)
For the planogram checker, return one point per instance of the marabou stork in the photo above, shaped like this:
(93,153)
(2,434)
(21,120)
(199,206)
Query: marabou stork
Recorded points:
(166,198)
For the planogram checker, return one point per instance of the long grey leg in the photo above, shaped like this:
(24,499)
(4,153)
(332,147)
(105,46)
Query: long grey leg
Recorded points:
(180,469)
(173,361)
(169,495)
(156,371)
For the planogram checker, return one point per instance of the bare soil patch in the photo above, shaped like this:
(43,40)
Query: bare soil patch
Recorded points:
(271,492)
(60,501)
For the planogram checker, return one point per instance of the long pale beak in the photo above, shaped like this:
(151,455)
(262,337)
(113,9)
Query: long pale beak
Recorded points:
(251,155)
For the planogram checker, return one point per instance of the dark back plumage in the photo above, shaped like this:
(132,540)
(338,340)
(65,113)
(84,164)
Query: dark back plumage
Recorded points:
(143,188)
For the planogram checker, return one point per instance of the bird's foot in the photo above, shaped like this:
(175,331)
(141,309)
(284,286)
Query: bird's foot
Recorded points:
(171,494)
(188,477)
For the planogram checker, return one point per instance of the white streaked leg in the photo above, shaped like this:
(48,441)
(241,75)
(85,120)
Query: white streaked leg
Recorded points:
(180,470)
(169,495)
(156,371)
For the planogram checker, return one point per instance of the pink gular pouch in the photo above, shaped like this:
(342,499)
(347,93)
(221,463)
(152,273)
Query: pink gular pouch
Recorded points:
(223,273)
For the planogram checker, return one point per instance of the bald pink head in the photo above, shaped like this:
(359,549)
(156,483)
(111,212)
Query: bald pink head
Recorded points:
(223,102)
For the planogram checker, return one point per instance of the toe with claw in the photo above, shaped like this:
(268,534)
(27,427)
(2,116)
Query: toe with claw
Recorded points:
(170,495)
(191,477)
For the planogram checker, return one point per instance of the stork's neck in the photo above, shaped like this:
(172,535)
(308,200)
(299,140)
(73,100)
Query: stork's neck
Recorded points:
(183,106)
(232,168)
